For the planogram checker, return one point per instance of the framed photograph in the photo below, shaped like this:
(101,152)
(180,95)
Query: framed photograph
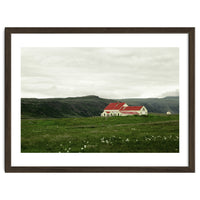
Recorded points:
(99,99)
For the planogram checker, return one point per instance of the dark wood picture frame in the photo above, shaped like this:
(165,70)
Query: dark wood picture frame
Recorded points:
(191,98)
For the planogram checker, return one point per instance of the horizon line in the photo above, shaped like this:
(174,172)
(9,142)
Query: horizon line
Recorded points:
(98,97)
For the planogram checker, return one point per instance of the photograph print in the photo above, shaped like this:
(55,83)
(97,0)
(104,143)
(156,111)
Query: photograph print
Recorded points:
(99,100)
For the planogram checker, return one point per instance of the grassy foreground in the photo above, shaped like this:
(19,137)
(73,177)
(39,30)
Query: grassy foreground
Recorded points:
(154,133)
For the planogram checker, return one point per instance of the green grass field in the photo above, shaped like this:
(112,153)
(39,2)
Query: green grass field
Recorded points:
(154,133)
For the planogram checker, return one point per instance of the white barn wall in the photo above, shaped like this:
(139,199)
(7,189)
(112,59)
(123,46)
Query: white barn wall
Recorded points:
(116,112)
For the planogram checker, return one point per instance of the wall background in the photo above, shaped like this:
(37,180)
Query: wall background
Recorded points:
(88,13)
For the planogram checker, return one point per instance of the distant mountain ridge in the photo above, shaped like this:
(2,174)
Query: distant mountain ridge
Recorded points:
(88,106)
(156,105)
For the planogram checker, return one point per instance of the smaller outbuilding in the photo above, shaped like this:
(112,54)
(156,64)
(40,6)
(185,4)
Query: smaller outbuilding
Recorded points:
(168,113)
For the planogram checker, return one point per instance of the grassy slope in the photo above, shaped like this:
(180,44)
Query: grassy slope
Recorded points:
(155,133)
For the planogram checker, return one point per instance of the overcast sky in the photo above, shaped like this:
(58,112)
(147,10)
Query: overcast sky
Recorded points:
(105,72)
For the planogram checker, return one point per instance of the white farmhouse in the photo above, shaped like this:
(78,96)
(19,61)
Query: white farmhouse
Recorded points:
(122,109)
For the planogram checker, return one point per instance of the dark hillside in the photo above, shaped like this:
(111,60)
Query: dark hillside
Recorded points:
(89,106)
(63,107)
(156,105)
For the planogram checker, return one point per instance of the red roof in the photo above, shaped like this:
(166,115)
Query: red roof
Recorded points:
(118,106)
(130,113)
(114,106)
(131,108)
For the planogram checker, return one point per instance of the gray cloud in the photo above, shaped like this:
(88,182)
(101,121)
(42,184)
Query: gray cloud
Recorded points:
(106,72)
(170,93)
